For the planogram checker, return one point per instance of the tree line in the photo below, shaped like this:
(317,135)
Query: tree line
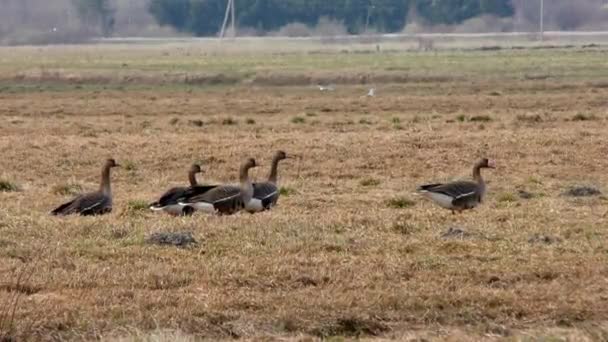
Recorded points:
(204,17)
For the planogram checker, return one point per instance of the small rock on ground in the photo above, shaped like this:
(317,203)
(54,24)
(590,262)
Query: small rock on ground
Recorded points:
(179,239)
(582,191)
(455,233)
(525,195)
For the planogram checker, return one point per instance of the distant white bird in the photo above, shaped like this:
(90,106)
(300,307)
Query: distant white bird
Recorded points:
(326,88)
(371,92)
(54,29)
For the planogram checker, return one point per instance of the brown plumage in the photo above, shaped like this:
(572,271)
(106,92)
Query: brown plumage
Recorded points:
(93,203)
(266,194)
(459,195)
(223,199)
(168,202)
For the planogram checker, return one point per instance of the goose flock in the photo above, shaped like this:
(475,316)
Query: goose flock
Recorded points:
(221,199)
(228,199)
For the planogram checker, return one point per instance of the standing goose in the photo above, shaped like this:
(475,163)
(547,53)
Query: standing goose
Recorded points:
(168,202)
(93,203)
(459,195)
(266,194)
(223,199)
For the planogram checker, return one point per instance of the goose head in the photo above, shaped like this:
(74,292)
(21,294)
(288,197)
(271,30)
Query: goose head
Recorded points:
(486,163)
(110,163)
(195,168)
(249,163)
(281,155)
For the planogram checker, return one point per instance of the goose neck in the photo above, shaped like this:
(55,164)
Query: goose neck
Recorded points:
(477,174)
(274,168)
(192,178)
(105,181)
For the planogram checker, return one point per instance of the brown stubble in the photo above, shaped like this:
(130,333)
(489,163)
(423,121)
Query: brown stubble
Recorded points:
(333,258)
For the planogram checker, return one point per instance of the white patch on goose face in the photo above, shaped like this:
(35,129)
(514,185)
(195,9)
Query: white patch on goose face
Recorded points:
(254,205)
(442,200)
(203,206)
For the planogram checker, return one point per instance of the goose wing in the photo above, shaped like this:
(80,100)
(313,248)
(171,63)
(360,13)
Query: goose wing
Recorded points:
(170,197)
(197,190)
(94,203)
(212,194)
(266,192)
(456,190)
(226,199)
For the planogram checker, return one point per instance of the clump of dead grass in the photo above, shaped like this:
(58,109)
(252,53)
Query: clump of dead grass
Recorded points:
(369,182)
(196,123)
(400,203)
(67,189)
(229,122)
(584,117)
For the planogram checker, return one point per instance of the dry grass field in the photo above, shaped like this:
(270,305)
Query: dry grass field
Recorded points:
(350,251)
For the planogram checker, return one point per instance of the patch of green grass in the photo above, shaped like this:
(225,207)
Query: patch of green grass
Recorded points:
(400,203)
(136,206)
(129,165)
(298,120)
(8,186)
(480,118)
(461,118)
(369,182)
(67,189)
(365,121)
(311,114)
(286,191)
(396,120)
(506,197)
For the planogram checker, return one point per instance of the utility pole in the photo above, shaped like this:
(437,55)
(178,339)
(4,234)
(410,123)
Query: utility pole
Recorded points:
(225,22)
(542,19)
(230,9)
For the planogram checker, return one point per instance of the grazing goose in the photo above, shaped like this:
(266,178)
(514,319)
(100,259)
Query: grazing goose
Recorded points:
(93,203)
(223,199)
(266,194)
(459,195)
(168,202)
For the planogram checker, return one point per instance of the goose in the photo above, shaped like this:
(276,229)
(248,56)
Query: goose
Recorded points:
(93,203)
(326,88)
(223,199)
(266,194)
(168,202)
(459,195)
(371,92)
